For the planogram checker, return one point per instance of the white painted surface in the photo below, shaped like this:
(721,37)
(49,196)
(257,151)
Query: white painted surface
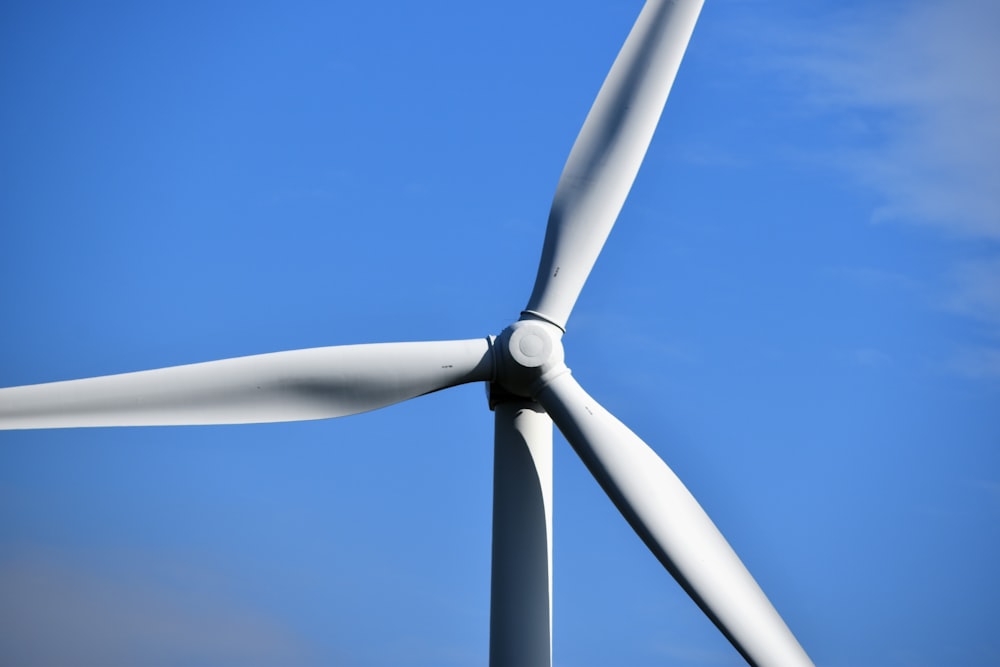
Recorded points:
(284,386)
(521,586)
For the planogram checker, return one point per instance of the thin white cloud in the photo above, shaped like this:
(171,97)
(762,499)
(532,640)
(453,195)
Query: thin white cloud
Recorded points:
(913,88)
(977,362)
(975,294)
(976,291)
(920,80)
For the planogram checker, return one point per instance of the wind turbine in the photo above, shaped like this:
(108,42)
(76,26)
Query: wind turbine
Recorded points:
(530,389)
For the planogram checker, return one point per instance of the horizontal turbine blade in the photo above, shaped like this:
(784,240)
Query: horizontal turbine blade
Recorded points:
(283,386)
(608,151)
(673,525)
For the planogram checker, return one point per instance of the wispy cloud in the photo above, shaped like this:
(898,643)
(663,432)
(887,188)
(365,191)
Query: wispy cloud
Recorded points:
(912,90)
(976,290)
(920,80)
(974,293)
(976,362)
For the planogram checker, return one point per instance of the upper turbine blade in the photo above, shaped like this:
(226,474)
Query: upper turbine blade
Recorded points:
(673,525)
(608,151)
(284,386)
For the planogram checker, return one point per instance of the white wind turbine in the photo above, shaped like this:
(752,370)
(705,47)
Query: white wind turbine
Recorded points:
(530,388)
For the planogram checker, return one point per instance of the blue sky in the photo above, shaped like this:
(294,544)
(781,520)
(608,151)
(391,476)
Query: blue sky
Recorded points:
(799,309)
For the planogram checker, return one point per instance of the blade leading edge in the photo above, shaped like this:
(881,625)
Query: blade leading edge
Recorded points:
(298,385)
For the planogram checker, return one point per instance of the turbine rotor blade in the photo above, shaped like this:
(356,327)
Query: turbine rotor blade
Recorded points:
(607,153)
(299,385)
(673,525)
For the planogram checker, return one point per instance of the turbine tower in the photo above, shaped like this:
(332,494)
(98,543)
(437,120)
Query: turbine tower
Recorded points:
(530,388)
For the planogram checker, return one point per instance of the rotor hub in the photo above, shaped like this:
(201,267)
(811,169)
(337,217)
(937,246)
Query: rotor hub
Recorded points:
(529,353)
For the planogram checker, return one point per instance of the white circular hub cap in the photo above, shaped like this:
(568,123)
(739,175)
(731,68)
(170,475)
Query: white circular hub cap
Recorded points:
(530,346)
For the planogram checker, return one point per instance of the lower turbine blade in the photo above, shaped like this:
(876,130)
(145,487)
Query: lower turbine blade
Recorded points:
(673,525)
(300,385)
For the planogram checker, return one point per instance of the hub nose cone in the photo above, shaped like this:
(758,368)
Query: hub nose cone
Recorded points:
(530,346)
(528,350)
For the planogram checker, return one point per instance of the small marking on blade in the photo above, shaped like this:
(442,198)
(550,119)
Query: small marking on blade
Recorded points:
(588,411)
(556,272)
(448,366)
